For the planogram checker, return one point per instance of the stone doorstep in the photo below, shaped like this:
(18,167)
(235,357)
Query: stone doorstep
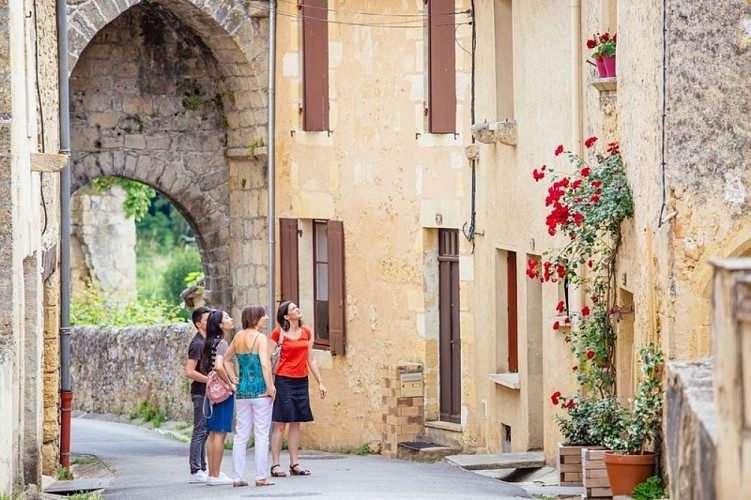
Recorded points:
(516,460)
(423,452)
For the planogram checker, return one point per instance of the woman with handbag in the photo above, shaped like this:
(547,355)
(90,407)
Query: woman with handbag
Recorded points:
(292,404)
(219,415)
(255,393)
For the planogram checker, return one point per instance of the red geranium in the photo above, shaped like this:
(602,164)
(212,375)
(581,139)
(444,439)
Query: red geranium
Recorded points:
(590,354)
(589,142)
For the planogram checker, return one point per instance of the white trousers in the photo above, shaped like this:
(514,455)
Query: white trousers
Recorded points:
(252,413)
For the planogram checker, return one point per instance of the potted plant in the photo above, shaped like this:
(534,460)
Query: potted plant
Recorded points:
(604,53)
(630,464)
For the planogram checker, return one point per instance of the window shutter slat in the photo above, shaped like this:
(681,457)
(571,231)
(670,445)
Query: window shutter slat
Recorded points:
(315,65)
(336,287)
(442,67)
(288,261)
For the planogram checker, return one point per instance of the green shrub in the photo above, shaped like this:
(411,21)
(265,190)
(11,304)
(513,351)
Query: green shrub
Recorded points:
(651,489)
(173,281)
(95,308)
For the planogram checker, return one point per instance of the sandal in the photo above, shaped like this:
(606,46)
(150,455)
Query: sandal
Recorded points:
(264,482)
(296,470)
(238,484)
(279,473)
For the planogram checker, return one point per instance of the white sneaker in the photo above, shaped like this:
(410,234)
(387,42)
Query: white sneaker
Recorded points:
(199,477)
(222,479)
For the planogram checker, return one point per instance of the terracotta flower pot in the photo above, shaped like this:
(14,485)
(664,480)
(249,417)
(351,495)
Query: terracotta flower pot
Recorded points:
(609,63)
(626,471)
(601,71)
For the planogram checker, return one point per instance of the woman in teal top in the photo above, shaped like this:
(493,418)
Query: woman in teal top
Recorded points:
(255,393)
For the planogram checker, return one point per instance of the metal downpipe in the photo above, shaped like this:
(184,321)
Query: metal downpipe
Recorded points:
(66,395)
(270,154)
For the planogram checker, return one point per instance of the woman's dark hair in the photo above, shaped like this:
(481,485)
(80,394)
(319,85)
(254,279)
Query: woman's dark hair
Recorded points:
(252,315)
(281,313)
(213,332)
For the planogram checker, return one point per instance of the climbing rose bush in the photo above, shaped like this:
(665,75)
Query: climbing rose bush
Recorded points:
(587,202)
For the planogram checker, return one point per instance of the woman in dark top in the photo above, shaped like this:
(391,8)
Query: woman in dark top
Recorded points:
(219,415)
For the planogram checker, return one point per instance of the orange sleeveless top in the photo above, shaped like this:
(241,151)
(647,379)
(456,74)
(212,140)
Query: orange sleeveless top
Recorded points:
(293,361)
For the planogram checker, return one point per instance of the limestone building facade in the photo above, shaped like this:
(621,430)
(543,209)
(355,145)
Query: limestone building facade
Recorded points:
(29,161)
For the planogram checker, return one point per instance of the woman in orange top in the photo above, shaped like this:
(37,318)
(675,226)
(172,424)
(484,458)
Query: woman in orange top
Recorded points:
(292,404)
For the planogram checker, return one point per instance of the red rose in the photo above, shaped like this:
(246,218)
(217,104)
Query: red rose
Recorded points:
(569,404)
(594,198)
(596,183)
(590,354)
(554,397)
(589,142)
(560,307)
(585,172)
(559,149)
(556,325)
(567,320)
(585,311)
(537,175)
(605,37)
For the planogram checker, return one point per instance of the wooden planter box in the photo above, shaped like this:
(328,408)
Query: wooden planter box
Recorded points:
(595,475)
(568,461)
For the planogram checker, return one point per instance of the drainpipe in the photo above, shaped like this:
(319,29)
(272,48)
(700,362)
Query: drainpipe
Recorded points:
(271,155)
(577,294)
(66,395)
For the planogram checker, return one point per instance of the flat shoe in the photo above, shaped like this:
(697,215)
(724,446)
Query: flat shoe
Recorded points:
(238,484)
(264,482)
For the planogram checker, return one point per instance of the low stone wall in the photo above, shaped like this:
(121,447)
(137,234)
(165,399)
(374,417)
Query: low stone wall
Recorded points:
(113,369)
(691,430)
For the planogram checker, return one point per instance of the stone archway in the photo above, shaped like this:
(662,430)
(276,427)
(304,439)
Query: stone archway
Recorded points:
(170,94)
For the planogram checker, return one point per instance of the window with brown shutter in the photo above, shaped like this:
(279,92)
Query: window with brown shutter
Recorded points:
(315,65)
(441,67)
(328,284)
(288,261)
(336,286)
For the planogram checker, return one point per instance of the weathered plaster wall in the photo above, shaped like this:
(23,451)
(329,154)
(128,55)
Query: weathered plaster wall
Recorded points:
(708,100)
(386,178)
(113,370)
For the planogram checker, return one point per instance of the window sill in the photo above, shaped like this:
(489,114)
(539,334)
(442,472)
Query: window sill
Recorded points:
(605,84)
(509,380)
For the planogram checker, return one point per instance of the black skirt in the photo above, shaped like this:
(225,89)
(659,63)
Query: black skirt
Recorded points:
(292,403)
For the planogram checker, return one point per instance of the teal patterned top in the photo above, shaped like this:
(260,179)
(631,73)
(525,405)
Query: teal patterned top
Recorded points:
(251,384)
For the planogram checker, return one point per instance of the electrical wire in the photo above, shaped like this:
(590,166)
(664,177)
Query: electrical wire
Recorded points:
(357,13)
(660,220)
(469,233)
(41,110)
(423,23)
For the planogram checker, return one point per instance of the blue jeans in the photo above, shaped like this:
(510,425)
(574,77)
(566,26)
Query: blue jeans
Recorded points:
(198,440)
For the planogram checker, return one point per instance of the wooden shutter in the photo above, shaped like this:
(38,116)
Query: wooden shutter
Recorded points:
(336,287)
(442,67)
(315,46)
(288,261)
(513,342)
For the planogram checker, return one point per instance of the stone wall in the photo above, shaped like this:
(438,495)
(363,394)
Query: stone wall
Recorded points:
(103,244)
(690,429)
(114,369)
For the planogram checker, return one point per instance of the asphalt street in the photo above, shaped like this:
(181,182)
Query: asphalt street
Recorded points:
(148,465)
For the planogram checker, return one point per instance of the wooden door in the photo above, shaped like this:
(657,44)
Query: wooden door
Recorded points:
(449,337)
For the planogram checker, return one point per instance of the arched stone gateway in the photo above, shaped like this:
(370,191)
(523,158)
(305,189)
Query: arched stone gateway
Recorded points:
(172,94)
